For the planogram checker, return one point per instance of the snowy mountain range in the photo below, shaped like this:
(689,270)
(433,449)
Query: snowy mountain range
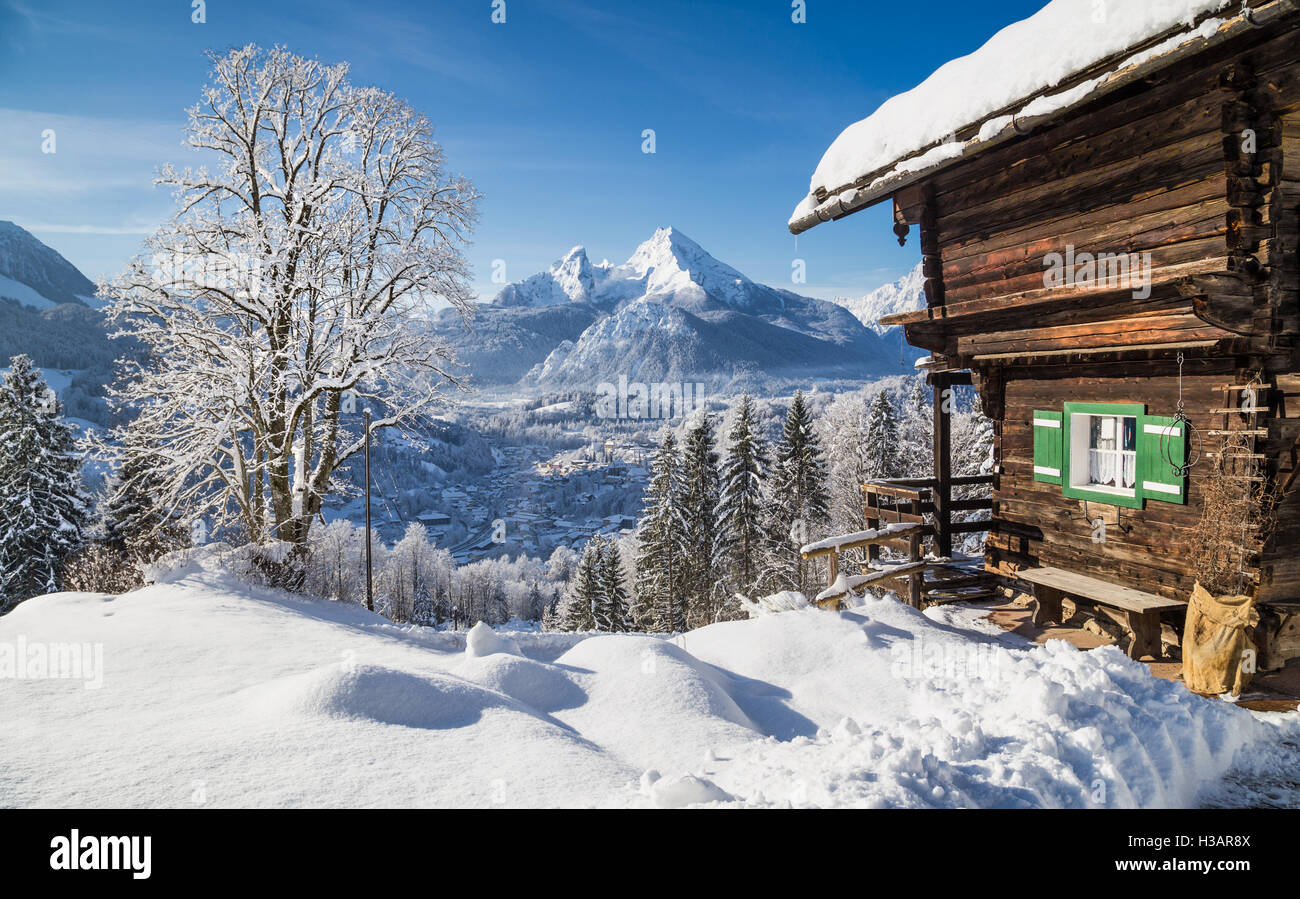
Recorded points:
(672,312)
(48,311)
(35,275)
(907,294)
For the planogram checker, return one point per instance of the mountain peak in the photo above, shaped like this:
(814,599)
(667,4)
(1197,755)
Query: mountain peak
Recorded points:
(904,295)
(669,246)
(672,263)
(572,275)
(577,253)
(35,274)
(671,312)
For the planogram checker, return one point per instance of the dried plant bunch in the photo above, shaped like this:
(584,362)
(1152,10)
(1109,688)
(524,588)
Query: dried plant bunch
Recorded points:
(1236,517)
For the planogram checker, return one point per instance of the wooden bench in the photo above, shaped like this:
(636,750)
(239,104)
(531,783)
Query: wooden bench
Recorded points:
(1139,610)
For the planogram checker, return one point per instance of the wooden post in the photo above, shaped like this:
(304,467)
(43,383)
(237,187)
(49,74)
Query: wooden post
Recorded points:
(941,495)
(915,579)
(873,522)
(1047,606)
(832,568)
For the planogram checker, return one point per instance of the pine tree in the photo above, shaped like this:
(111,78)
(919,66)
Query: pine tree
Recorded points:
(535,606)
(422,611)
(658,562)
(42,499)
(797,502)
(916,432)
(579,613)
(880,441)
(740,504)
(551,618)
(612,610)
(701,546)
(131,520)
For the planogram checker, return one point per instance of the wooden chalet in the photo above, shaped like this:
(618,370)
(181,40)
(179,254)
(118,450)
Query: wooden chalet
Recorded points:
(1112,261)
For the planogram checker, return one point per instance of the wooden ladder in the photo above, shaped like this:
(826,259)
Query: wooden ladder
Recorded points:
(1242,421)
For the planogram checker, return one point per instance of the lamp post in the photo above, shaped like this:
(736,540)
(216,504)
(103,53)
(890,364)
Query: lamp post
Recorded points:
(370,598)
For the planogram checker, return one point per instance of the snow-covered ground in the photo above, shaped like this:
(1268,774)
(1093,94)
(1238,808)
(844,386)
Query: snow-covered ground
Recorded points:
(213,693)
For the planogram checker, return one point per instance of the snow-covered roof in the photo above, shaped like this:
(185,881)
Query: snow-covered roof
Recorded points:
(1068,52)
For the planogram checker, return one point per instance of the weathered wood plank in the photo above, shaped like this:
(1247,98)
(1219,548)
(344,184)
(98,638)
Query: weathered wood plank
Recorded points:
(1073,583)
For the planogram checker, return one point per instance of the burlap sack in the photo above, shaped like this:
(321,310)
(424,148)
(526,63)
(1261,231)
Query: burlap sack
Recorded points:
(1215,643)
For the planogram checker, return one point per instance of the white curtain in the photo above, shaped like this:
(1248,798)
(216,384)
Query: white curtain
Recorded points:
(1112,467)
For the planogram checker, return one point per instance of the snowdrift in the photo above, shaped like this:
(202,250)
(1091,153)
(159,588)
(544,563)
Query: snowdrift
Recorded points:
(213,693)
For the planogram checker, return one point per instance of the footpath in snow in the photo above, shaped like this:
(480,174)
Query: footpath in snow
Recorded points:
(212,693)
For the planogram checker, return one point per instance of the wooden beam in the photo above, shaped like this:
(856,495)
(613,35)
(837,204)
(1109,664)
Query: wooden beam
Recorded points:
(878,536)
(941,495)
(1089,351)
(1164,275)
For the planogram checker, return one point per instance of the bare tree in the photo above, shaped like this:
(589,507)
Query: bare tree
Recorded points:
(286,292)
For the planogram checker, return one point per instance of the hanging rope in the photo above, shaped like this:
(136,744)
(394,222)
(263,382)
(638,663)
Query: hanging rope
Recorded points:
(1182,425)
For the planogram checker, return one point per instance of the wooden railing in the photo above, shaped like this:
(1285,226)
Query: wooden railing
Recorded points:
(926,499)
(837,587)
(901,514)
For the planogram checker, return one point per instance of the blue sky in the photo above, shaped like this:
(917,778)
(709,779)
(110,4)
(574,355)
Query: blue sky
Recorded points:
(544,113)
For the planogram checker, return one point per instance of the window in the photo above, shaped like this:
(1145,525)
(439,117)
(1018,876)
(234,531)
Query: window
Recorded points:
(1103,454)
(1111,453)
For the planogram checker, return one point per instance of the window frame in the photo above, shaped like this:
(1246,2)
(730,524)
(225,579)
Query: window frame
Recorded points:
(1112,496)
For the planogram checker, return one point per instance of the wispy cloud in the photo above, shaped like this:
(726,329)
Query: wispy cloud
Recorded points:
(89,229)
(40,22)
(97,182)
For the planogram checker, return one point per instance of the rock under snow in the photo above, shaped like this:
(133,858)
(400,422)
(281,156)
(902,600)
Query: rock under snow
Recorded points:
(676,792)
(483,641)
(783,601)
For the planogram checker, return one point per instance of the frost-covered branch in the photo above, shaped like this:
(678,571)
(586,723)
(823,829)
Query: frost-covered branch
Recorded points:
(288,288)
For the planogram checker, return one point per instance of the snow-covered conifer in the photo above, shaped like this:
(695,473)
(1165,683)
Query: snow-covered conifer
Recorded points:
(43,504)
(579,610)
(700,544)
(916,432)
(797,506)
(880,440)
(658,562)
(612,607)
(740,502)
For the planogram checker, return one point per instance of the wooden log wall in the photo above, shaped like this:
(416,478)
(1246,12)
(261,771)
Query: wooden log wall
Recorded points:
(1152,181)
(1037,525)
(1281,579)
(1162,167)
(1198,166)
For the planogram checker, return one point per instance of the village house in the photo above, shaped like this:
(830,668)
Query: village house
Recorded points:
(1105,200)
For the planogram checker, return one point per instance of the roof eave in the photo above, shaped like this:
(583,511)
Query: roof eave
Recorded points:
(883,184)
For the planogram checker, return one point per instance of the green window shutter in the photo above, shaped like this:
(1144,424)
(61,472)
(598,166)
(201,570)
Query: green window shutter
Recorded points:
(1047,446)
(1162,444)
